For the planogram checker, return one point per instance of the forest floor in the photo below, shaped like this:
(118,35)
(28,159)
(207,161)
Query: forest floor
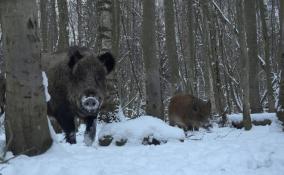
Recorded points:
(222,151)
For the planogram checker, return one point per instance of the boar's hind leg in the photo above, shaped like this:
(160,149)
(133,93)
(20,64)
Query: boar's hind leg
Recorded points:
(65,118)
(90,133)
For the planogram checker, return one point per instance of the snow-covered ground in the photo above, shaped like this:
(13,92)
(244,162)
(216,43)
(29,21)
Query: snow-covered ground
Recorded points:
(226,151)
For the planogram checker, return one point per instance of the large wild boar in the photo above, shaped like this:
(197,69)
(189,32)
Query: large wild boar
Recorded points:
(188,112)
(76,83)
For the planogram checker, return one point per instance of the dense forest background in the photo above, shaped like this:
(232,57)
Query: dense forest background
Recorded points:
(198,48)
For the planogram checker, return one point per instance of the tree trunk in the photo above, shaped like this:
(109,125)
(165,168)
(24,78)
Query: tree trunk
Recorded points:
(80,22)
(116,27)
(267,55)
(211,57)
(250,18)
(106,43)
(52,29)
(26,116)
(154,104)
(244,65)
(280,107)
(171,45)
(63,40)
(43,24)
(189,46)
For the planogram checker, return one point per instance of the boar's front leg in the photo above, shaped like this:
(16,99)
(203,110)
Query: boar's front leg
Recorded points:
(90,133)
(65,118)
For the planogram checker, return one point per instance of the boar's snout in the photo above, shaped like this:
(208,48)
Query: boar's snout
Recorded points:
(90,104)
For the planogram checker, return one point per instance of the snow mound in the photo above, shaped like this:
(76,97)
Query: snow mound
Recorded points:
(135,130)
(255,117)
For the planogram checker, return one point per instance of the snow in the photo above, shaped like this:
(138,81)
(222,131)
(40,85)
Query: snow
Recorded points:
(256,117)
(45,84)
(137,129)
(223,151)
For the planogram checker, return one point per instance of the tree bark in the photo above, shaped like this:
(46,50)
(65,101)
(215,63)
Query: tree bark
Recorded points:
(211,57)
(43,24)
(52,29)
(171,45)
(80,22)
(63,40)
(106,43)
(280,106)
(26,116)
(244,64)
(267,55)
(190,47)
(154,104)
(250,18)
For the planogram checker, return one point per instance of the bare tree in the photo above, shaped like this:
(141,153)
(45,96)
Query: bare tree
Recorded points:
(189,46)
(280,107)
(80,21)
(250,18)
(52,27)
(171,46)
(26,115)
(267,55)
(106,43)
(244,64)
(154,104)
(63,40)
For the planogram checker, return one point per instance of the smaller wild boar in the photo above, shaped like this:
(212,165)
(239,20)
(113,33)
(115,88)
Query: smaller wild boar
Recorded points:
(188,112)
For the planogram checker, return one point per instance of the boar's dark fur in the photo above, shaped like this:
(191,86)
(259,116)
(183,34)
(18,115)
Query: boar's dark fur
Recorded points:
(76,83)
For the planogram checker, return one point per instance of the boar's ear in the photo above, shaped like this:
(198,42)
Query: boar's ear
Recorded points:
(108,61)
(74,56)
